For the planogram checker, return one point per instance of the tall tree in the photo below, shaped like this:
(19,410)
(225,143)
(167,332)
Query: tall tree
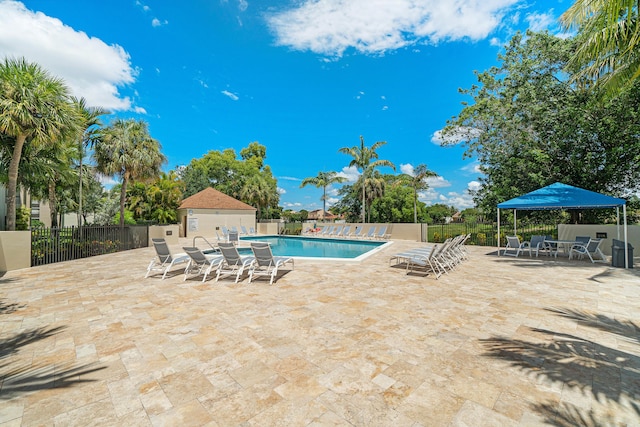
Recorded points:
(34,109)
(129,152)
(90,135)
(323,180)
(418,181)
(365,159)
(608,42)
(529,127)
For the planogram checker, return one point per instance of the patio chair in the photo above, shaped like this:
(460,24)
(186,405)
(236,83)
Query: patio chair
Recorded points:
(252,231)
(370,234)
(327,231)
(164,260)
(583,239)
(265,263)
(402,257)
(429,261)
(243,230)
(336,231)
(382,233)
(538,245)
(345,231)
(357,232)
(233,262)
(591,249)
(514,247)
(199,263)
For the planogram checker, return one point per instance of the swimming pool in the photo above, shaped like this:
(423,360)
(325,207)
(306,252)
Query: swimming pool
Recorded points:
(314,247)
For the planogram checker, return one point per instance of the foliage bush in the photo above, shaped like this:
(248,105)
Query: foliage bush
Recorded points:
(23,215)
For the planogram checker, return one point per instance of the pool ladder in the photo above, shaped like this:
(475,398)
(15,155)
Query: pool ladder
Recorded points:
(206,241)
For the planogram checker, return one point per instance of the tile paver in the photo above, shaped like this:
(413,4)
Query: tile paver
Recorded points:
(499,341)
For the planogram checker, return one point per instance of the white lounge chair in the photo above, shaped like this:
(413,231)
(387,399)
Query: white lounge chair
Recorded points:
(345,231)
(164,260)
(233,262)
(370,234)
(514,247)
(591,249)
(243,230)
(357,232)
(429,261)
(265,263)
(382,233)
(336,231)
(200,263)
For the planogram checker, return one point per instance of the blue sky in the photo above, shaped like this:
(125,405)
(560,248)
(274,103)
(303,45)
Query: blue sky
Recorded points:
(304,77)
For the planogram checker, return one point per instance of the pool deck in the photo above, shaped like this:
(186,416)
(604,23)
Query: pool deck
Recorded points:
(500,341)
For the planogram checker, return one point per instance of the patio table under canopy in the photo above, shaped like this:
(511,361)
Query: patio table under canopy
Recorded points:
(559,196)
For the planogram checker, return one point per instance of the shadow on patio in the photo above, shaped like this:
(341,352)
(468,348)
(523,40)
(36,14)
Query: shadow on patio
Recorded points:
(18,377)
(606,376)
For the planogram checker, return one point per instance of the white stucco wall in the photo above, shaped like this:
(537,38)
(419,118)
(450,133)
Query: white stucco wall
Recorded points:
(570,231)
(205,222)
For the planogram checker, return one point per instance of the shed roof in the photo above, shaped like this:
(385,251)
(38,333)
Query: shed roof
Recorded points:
(210,198)
(561,196)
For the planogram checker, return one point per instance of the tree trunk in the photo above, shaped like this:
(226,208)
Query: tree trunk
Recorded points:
(364,219)
(415,206)
(123,196)
(53,205)
(12,182)
(80,186)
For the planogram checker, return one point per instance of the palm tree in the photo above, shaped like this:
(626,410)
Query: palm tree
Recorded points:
(375,184)
(34,110)
(165,195)
(362,160)
(256,192)
(418,182)
(609,39)
(323,180)
(128,151)
(90,127)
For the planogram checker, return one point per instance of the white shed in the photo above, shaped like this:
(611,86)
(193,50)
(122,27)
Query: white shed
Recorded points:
(205,212)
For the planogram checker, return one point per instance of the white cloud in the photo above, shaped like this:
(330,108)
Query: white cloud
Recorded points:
(473,186)
(289,178)
(157,23)
(406,168)
(230,95)
(461,134)
(332,201)
(291,205)
(472,168)
(91,68)
(243,5)
(281,190)
(350,173)
(452,198)
(540,21)
(438,182)
(330,27)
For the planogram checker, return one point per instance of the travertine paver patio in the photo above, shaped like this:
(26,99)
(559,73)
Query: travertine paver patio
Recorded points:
(500,341)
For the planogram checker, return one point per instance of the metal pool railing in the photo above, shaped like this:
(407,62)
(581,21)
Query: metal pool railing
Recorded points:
(50,245)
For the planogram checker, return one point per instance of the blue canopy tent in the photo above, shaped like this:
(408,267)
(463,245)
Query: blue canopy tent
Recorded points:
(563,196)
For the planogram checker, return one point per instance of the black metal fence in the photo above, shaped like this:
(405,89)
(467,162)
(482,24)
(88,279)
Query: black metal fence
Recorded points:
(486,234)
(49,245)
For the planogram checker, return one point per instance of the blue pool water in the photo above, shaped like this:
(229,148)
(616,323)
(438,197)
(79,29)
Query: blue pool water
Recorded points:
(314,247)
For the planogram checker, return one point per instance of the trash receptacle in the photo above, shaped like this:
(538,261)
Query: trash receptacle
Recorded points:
(617,254)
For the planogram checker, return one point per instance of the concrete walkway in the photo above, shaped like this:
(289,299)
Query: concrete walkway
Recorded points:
(500,341)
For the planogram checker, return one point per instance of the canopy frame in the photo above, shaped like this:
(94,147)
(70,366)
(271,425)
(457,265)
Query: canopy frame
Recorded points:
(560,196)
